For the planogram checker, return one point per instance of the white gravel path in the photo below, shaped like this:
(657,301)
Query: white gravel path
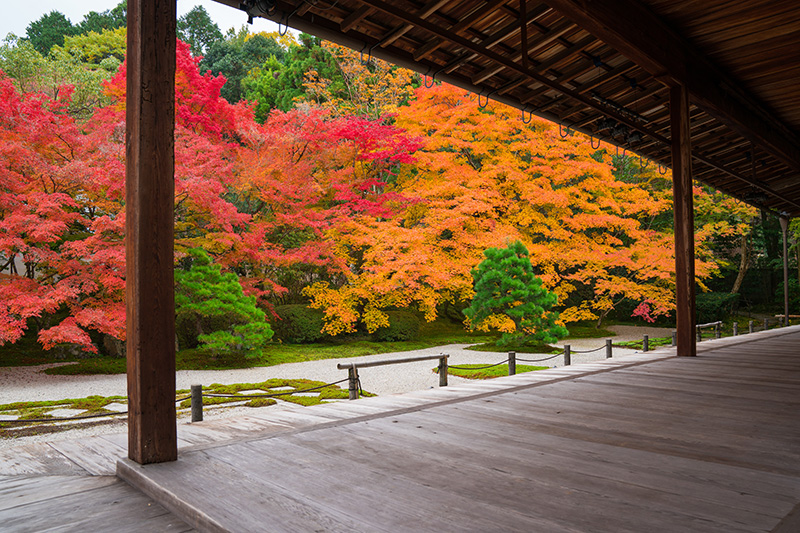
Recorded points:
(32,384)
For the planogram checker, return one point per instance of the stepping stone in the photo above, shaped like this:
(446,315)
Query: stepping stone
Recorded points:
(116,407)
(331,400)
(311,394)
(252,391)
(8,417)
(65,413)
(281,389)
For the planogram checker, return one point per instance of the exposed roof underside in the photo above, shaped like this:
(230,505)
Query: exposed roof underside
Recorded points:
(604,67)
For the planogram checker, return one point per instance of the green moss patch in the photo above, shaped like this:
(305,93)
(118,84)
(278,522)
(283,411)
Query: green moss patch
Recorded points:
(477,371)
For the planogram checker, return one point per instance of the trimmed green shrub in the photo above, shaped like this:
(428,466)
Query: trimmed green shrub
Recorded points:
(214,312)
(506,285)
(299,324)
(713,306)
(403,326)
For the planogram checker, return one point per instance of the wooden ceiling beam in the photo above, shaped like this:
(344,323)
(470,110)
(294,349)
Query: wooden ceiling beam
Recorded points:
(656,47)
(355,17)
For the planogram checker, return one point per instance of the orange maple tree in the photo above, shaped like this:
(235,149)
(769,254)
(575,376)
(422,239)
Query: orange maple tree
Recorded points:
(484,178)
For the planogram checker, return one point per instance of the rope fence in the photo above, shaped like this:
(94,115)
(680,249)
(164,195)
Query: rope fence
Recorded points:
(197,404)
(354,381)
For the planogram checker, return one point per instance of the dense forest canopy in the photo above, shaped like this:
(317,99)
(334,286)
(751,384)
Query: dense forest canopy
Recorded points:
(318,179)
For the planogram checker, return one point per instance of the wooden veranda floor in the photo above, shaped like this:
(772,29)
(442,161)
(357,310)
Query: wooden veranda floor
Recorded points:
(647,443)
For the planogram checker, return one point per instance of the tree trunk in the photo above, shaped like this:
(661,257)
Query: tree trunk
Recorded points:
(744,264)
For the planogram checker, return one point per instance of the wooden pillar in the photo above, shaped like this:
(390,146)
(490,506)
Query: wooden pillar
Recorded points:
(684,220)
(152,433)
(785,229)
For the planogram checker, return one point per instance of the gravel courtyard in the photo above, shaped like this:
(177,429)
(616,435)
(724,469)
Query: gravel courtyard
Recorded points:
(32,384)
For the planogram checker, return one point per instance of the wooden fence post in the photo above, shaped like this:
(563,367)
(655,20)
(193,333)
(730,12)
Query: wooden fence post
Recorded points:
(766,324)
(750,325)
(352,374)
(567,355)
(512,363)
(735,328)
(443,371)
(197,403)
(608,349)
(645,343)
(699,334)
(718,330)
(674,338)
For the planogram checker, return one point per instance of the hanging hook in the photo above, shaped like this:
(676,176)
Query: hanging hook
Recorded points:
(425,79)
(285,21)
(481,106)
(565,133)
(369,54)
(662,172)
(591,142)
(530,116)
(642,164)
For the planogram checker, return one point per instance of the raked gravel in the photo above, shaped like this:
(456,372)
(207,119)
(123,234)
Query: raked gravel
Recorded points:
(32,384)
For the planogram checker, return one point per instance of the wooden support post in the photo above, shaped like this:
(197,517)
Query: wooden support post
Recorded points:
(785,227)
(443,371)
(608,349)
(197,403)
(735,328)
(149,208)
(645,343)
(512,363)
(684,220)
(567,355)
(352,374)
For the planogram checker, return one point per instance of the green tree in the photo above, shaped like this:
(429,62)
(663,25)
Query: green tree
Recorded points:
(61,70)
(109,19)
(198,30)
(509,297)
(49,31)
(224,320)
(280,83)
(236,55)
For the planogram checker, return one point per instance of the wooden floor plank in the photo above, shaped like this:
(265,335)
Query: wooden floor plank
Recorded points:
(101,505)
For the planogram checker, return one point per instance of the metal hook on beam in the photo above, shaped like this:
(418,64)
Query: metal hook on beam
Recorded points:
(662,172)
(566,133)
(481,106)
(530,116)
(285,21)
(591,142)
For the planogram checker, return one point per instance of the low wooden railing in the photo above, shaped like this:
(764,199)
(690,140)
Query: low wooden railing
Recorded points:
(352,370)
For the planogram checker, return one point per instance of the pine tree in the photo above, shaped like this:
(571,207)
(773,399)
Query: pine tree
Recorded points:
(214,305)
(509,297)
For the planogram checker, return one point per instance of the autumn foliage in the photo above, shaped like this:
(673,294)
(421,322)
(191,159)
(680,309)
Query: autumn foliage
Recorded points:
(349,202)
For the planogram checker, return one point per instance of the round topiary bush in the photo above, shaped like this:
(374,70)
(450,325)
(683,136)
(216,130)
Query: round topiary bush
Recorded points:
(403,326)
(298,324)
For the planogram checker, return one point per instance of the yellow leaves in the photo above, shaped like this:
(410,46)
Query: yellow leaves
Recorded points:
(372,88)
(339,306)
(495,322)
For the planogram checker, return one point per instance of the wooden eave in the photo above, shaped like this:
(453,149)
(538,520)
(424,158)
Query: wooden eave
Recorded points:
(591,62)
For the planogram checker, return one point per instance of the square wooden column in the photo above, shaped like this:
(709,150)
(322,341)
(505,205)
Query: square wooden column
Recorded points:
(684,220)
(150,170)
